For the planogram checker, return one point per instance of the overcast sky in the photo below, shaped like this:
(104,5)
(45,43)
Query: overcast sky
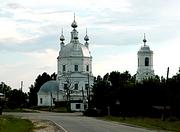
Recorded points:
(30,31)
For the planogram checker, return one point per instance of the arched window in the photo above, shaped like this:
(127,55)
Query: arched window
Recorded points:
(146,61)
(75,67)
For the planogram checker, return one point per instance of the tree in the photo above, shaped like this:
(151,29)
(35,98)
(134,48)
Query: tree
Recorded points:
(16,99)
(34,89)
(100,91)
(69,89)
(5,89)
(109,90)
(137,99)
(53,76)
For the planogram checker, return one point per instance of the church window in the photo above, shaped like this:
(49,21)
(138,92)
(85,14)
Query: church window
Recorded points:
(146,61)
(75,67)
(76,86)
(41,100)
(64,67)
(87,67)
(86,86)
(65,86)
(78,106)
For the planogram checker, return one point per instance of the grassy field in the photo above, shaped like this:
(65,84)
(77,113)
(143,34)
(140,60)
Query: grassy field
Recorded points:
(171,124)
(12,124)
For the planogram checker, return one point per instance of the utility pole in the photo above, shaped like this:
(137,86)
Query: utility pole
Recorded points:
(51,101)
(166,92)
(21,86)
(88,91)
(167,74)
(3,91)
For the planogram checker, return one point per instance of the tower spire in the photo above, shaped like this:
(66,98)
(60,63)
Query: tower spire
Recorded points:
(74,33)
(62,39)
(74,24)
(86,38)
(144,40)
(62,36)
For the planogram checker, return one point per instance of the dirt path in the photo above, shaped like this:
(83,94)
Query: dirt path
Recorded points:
(45,126)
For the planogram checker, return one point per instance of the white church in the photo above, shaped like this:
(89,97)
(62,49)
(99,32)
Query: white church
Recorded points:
(145,63)
(74,74)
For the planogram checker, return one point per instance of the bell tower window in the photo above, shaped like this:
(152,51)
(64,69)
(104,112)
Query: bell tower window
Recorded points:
(64,68)
(75,67)
(146,61)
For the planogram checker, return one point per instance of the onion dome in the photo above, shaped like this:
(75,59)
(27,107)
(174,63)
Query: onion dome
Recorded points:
(86,38)
(75,48)
(144,40)
(62,36)
(74,24)
(145,48)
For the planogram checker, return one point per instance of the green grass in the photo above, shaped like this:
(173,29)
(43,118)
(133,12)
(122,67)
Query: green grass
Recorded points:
(152,123)
(12,124)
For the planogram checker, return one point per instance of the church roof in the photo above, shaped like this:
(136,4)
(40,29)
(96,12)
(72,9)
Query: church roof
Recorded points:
(49,86)
(75,50)
(145,48)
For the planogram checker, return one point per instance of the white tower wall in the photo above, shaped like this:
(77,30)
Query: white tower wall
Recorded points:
(75,69)
(145,63)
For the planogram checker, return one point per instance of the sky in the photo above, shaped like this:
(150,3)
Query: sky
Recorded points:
(30,31)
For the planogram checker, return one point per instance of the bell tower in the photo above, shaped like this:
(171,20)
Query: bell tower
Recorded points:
(145,62)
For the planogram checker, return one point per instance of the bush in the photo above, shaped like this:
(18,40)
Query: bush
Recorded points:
(92,112)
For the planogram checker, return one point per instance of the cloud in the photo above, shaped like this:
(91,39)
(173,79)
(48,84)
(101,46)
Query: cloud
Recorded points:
(14,5)
(115,62)
(30,30)
(27,67)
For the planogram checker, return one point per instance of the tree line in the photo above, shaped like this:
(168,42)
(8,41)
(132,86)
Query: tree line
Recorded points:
(16,98)
(154,97)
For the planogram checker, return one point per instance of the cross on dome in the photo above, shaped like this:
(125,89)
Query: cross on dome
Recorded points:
(144,40)
(74,24)
(86,38)
(62,36)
